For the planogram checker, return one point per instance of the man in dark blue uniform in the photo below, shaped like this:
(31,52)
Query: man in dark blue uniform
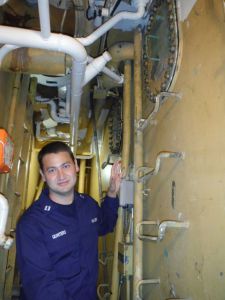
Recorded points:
(57,237)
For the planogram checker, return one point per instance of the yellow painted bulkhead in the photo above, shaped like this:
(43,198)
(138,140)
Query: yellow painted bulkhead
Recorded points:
(190,262)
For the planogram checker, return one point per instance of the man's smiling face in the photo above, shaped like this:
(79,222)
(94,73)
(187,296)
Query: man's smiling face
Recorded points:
(59,172)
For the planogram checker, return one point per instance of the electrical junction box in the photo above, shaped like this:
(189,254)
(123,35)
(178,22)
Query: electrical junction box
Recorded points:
(126,194)
(125,259)
(6,151)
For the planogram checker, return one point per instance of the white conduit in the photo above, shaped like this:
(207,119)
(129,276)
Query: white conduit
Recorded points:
(43,9)
(2,2)
(87,41)
(5,242)
(96,66)
(105,70)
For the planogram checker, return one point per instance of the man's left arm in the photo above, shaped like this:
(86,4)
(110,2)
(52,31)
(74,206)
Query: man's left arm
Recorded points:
(110,204)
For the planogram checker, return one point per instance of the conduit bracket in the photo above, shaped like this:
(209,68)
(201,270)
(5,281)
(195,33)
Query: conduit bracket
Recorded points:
(100,286)
(146,192)
(114,157)
(145,281)
(162,226)
(144,173)
(159,99)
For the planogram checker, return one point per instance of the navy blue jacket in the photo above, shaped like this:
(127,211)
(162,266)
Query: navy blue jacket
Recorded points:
(57,247)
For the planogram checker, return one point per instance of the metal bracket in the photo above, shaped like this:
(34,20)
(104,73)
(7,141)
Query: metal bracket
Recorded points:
(145,281)
(143,173)
(56,81)
(160,98)
(161,228)
(102,286)
(108,161)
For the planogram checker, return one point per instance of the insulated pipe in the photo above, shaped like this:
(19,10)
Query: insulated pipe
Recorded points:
(125,163)
(138,161)
(5,241)
(87,41)
(43,9)
(81,182)
(119,52)
(31,61)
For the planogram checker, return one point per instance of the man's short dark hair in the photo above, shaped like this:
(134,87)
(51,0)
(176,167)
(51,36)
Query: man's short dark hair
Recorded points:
(54,147)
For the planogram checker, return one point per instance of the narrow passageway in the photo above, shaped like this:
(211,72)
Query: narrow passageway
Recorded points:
(134,89)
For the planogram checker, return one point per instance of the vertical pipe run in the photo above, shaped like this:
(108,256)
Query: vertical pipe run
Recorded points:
(127,117)
(138,162)
(81,182)
(125,163)
(44,18)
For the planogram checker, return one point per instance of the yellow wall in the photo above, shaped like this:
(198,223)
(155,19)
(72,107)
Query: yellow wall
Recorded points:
(191,262)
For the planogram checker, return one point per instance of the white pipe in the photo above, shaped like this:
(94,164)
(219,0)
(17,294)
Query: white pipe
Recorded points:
(119,79)
(5,241)
(87,41)
(2,2)
(43,9)
(30,38)
(96,66)
(4,50)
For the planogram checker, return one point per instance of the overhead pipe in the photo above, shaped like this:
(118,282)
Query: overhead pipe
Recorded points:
(5,241)
(140,4)
(138,161)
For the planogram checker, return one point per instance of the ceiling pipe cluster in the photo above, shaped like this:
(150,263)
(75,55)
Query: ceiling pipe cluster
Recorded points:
(18,37)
